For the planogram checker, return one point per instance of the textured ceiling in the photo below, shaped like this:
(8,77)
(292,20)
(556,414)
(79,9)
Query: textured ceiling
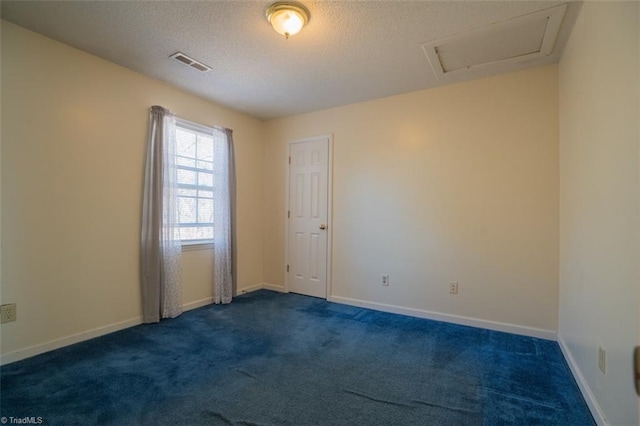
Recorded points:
(350,51)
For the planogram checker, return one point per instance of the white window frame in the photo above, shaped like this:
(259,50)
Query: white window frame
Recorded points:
(190,245)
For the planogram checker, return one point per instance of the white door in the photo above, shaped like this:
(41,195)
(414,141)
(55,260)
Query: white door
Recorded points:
(308,217)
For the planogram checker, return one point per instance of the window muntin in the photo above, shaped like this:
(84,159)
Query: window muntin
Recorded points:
(194,162)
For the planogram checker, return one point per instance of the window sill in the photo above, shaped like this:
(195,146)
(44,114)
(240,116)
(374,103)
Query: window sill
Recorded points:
(206,245)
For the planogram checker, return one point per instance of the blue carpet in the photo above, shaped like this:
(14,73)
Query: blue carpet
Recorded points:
(284,359)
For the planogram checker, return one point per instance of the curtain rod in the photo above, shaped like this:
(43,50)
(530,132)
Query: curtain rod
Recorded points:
(168,111)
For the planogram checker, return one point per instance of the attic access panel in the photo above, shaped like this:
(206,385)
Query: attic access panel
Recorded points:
(516,40)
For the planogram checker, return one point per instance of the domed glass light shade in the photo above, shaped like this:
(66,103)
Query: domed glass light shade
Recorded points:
(287,18)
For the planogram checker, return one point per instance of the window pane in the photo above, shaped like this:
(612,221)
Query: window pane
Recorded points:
(206,165)
(187,209)
(205,210)
(205,179)
(184,161)
(197,233)
(188,234)
(186,142)
(186,177)
(182,192)
(206,233)
(205,148)
(194,158)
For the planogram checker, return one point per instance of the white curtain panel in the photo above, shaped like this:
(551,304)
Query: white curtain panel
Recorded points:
(161,253)
(223,216)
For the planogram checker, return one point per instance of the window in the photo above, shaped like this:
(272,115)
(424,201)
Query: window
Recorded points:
(194,161)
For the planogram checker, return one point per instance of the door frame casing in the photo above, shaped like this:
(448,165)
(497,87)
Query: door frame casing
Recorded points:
(329,139)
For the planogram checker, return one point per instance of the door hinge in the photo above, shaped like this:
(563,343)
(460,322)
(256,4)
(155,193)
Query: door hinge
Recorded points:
(289,214)
(287,268)
(289,160)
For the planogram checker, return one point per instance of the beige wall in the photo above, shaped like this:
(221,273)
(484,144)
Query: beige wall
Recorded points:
(73,147)
(599,202)
(458,183)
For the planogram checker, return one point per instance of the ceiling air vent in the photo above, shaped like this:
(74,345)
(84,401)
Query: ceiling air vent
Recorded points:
(517,40)
(179,56)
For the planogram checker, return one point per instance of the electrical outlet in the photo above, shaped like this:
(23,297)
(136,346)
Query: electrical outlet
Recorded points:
(8,313)
(453,288)
(602,360)
(385,280)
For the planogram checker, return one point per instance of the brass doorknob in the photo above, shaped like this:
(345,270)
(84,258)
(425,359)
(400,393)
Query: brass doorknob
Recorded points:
(323,226)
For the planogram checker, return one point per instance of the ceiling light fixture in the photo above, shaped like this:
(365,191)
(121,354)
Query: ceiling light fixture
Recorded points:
(287,17)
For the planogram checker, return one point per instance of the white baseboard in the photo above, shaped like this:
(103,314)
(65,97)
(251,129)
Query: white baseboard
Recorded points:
(249,289)
(588,395)
(85,335)
(66,341)
(100,331)
(197,304)
(273,287)
(261,286)
(456,319)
